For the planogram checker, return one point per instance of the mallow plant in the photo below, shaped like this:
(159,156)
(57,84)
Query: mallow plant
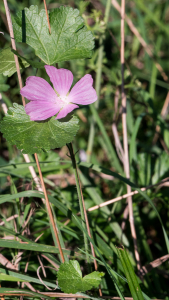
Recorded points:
(47,120)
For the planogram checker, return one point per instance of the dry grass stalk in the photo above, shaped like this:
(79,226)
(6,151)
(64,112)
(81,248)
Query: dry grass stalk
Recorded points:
(64,295)
(164,182)
(141,40)
(6,263)
(154,264)
(125,139)
(42,266)
(118,145)
(49,209)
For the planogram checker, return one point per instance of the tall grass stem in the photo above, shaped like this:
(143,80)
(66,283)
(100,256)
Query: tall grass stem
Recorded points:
(125,138)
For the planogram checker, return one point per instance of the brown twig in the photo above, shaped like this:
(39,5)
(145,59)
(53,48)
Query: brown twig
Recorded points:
(154,264)
(47,15)
(51,219)
(5,262)
(125,140)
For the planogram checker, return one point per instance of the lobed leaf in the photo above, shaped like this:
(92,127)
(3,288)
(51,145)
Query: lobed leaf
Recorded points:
(69,38)
(70,278)
(35,137)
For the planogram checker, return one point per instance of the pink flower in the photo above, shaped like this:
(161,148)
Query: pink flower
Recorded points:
(46,102)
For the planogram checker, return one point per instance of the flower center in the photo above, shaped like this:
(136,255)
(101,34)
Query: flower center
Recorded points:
(64,99)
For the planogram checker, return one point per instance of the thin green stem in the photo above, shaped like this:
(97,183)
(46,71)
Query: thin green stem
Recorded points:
(107,11)
(80,196)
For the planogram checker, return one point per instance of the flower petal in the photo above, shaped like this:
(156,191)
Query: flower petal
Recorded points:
(83,92)
(38,89)
(65,110)
(40,110)
(61,78)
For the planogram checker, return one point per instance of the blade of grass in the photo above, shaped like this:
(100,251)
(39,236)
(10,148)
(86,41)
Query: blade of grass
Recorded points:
(130,275)
(152,16)
(26,278)
(113,157)
(133,147)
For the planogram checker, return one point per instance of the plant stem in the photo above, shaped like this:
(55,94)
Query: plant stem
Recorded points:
(51,219)
(80,196)
(84,217)
(125,139)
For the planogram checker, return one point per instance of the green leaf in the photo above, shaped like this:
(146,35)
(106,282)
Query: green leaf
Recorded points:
(6,277)
(24,278)
(4,87)
(8,66)
(69,38)
(130,275)
(70,278)
(35,137)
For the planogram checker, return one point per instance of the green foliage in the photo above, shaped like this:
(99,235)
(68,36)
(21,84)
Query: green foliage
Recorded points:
(70,278)
(35,137)
(82,6)
(69,38)
(5,277)
(3,86)
(102,177)
(130,275)
(8,66)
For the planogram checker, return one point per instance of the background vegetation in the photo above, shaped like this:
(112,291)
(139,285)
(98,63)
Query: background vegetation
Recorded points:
(146,85)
